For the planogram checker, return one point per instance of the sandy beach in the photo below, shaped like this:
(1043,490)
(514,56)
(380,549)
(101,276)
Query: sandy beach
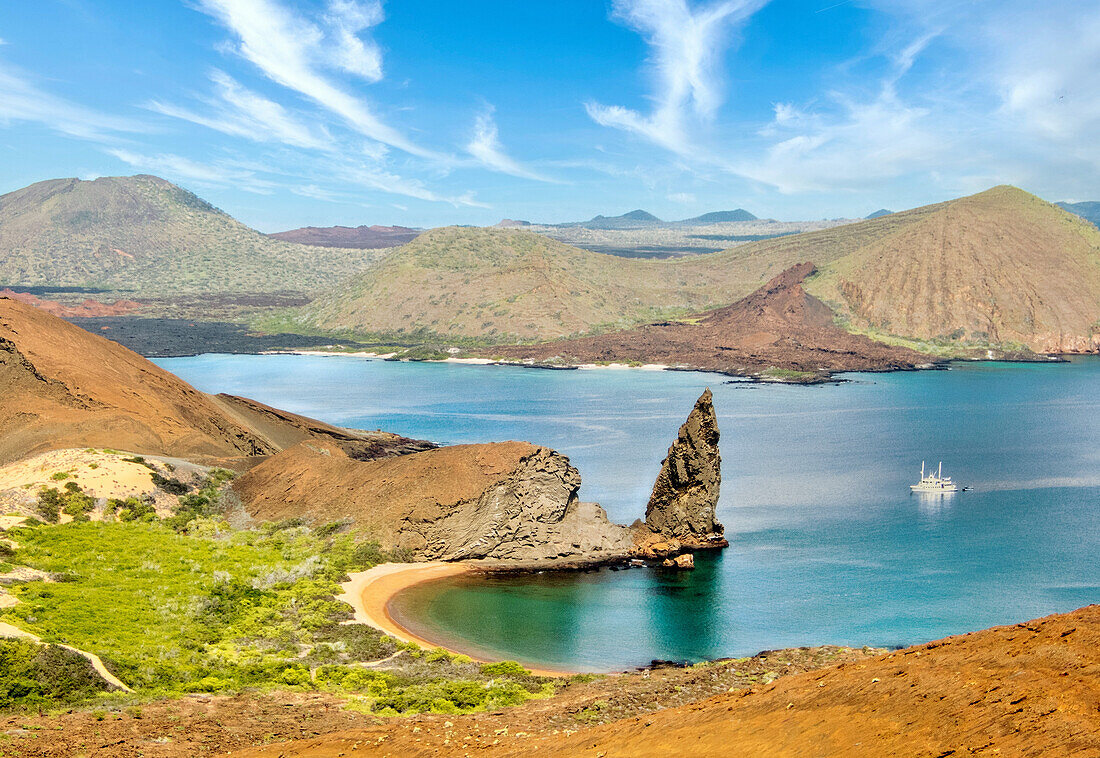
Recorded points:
(369,593)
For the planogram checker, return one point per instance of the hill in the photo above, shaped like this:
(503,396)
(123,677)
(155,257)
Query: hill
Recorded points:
(508,284)
(61,387)
(879,213)
(1025,689)
(1000,268)
(1090,211)
(359,237)
(777,332)
(721,217)
(146,235)
(631,220)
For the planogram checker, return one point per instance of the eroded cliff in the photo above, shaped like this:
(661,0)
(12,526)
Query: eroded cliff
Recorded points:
(510,501)
(685,495)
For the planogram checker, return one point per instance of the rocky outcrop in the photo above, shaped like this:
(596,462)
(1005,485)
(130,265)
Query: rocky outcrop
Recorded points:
(685,495)
(509,501)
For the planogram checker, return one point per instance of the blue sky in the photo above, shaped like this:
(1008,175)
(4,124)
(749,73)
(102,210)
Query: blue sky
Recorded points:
(293,112)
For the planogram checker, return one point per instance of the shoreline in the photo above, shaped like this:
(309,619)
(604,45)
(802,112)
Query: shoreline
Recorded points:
(369,594)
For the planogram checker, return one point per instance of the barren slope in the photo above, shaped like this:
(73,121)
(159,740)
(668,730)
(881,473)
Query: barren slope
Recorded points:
(779,326)
(359,237)
(61,387)
(504,500)
(1002,267)
(507,284)
(1031,689)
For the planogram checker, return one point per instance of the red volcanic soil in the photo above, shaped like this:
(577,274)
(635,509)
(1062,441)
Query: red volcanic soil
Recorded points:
(1030,689)
(778,326)
(61,386)
(87,309)
(363,237)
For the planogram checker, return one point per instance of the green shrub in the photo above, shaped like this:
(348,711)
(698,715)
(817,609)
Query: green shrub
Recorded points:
(72,501)
(171,485)
(504,668)
(132,509)
(49,505)
(33,675)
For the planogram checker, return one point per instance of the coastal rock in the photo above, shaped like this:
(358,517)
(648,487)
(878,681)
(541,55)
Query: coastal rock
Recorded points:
(685,561)
(509,501)
(685,495)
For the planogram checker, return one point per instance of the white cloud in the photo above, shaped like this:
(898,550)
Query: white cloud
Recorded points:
(292,52)
(177,167)
(347,20)
(241,112)
(380,179)
(485,146)
(21,100)
(687,46)
(682,197)
(1045,65)
(856,143)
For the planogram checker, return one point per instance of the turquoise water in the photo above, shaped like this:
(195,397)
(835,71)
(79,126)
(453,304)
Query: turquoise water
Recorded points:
(827,544)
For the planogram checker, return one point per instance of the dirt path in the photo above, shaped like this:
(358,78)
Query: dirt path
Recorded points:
(7,630)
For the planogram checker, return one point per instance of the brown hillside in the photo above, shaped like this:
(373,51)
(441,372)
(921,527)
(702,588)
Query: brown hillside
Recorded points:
(361,237)
(62,387)
(1031,689)
(504,500)
(779,327)
(1001,267)
(509,284)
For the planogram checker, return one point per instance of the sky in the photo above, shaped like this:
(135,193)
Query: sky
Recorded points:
(287,113)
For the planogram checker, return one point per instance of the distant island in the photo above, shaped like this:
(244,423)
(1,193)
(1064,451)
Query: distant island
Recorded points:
(359,237)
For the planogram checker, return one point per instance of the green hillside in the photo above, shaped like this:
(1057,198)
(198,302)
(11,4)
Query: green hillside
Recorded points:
(1001,268)
(147,235)
(504,284)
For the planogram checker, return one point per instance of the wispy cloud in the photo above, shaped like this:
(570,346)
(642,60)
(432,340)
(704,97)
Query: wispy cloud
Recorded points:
(347,21)
(485,146)
(856,143)
(294,52)
(376,178)
(1044,64)
(22,100)
(240,112)
(686,49)
(180,168)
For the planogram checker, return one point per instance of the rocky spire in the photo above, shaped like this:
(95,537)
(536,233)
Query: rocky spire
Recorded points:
(686,491)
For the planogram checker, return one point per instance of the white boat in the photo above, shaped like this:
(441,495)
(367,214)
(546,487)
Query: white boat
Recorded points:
(934,481)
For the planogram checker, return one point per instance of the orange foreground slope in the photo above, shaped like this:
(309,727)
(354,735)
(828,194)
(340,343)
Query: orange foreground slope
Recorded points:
(1031,689)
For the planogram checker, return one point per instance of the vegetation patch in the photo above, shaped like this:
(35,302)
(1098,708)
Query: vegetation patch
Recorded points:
(35,676)
(186,604)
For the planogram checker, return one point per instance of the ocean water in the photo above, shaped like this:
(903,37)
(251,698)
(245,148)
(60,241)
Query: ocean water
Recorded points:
(827,543)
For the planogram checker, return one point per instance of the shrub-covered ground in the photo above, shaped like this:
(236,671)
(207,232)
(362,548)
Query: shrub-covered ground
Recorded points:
(187,604)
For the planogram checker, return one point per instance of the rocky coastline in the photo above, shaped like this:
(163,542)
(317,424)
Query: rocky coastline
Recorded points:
(513,505)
